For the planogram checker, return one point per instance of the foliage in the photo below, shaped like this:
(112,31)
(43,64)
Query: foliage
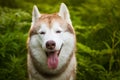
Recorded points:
(97,25)
(13,36)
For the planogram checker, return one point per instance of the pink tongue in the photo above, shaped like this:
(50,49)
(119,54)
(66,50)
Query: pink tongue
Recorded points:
(52,61)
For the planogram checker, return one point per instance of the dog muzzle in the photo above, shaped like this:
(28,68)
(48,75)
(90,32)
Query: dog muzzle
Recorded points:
(53,58)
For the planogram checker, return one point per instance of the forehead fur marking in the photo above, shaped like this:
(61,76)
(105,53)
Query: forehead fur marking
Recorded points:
(49,18)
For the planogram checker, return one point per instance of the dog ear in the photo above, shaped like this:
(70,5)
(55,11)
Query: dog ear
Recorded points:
(35,14)
(64,13)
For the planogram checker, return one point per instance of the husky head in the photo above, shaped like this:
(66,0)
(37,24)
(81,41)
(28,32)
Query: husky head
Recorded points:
(52,38)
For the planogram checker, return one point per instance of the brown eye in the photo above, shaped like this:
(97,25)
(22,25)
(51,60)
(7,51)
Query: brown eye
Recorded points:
(42,33)
(58,31)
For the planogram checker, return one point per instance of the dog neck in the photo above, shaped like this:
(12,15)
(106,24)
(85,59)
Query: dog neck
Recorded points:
(49,74)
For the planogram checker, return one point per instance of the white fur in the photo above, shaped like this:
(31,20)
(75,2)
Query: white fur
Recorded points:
(61,77)
(64,13)
(37,45)
(50,34)
(35,15)
(64,38)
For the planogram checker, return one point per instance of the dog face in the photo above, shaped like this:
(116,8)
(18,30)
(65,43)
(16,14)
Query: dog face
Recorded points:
(50,34)
(52,38)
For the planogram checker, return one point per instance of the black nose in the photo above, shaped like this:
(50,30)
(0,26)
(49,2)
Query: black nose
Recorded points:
(50,44)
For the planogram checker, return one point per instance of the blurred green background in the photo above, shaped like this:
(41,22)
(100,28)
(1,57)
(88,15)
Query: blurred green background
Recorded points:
(97,25)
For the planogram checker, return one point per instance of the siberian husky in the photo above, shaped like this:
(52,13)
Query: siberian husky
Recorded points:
(51,46)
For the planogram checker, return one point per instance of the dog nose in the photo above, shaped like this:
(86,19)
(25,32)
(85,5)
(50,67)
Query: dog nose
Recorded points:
(50,44)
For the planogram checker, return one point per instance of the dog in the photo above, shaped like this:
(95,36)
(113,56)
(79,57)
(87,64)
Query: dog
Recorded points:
(51,46)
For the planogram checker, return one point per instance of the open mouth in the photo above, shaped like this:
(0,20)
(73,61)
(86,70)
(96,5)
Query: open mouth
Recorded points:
(52,58)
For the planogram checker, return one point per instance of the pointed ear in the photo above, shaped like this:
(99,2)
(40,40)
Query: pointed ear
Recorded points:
(64,13)
(35,14)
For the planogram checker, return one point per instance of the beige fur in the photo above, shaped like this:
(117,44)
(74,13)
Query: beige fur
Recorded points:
(66,40)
